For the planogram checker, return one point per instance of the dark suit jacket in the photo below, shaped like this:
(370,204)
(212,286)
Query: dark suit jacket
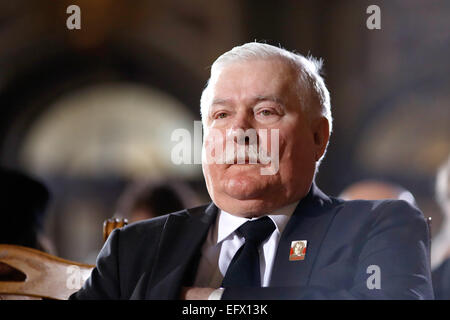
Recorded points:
(153,259)
(441,281)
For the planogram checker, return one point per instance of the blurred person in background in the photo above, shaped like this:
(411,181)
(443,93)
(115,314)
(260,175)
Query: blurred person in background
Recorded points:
(377,190)
(440,249)
(143,200)
(23,209)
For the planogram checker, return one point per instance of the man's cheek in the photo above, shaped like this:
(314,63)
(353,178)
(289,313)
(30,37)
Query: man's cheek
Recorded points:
(213,147)
(269,151)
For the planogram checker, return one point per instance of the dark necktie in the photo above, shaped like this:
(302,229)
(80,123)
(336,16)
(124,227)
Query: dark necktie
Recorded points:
(244,270)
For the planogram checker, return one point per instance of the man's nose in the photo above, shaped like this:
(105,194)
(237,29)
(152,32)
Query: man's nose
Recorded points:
(239,129)
(241,121)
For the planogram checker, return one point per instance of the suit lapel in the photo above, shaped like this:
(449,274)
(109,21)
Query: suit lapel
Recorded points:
(181,239)
(310,221)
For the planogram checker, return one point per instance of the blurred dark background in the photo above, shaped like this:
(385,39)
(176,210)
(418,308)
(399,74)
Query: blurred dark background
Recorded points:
(89,111)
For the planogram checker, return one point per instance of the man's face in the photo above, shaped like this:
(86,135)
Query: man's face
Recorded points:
(261,94)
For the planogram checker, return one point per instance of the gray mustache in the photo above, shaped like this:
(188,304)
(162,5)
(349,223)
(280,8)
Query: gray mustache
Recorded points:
(241,154)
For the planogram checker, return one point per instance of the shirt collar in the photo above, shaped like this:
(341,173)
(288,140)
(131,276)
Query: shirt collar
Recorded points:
(228,223)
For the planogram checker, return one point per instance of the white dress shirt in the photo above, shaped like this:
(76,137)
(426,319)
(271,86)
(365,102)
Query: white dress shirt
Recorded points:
(223,242)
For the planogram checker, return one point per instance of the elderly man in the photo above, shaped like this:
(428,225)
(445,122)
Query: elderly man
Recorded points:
(241,245)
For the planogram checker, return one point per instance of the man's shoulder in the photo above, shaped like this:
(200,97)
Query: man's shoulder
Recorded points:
(380,221)
(144,236)
(147,227)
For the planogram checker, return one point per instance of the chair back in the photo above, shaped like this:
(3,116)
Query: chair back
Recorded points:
(27,273)
(110,224)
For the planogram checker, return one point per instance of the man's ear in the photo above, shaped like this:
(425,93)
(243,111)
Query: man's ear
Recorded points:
(321,134)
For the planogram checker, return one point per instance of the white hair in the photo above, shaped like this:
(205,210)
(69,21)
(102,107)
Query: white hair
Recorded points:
(441,242)
(310,87)
(443,184)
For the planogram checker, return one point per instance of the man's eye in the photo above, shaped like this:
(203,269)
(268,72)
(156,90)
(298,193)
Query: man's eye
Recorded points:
(266,112)
(221,115)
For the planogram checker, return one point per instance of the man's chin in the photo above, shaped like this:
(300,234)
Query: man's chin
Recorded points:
(253,168)
(243,208)
(245,187)
(243,196)
(244,201)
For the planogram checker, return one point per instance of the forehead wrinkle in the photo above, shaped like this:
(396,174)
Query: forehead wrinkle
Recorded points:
(273,98)
(285,85)
(251,101)
(221,101)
